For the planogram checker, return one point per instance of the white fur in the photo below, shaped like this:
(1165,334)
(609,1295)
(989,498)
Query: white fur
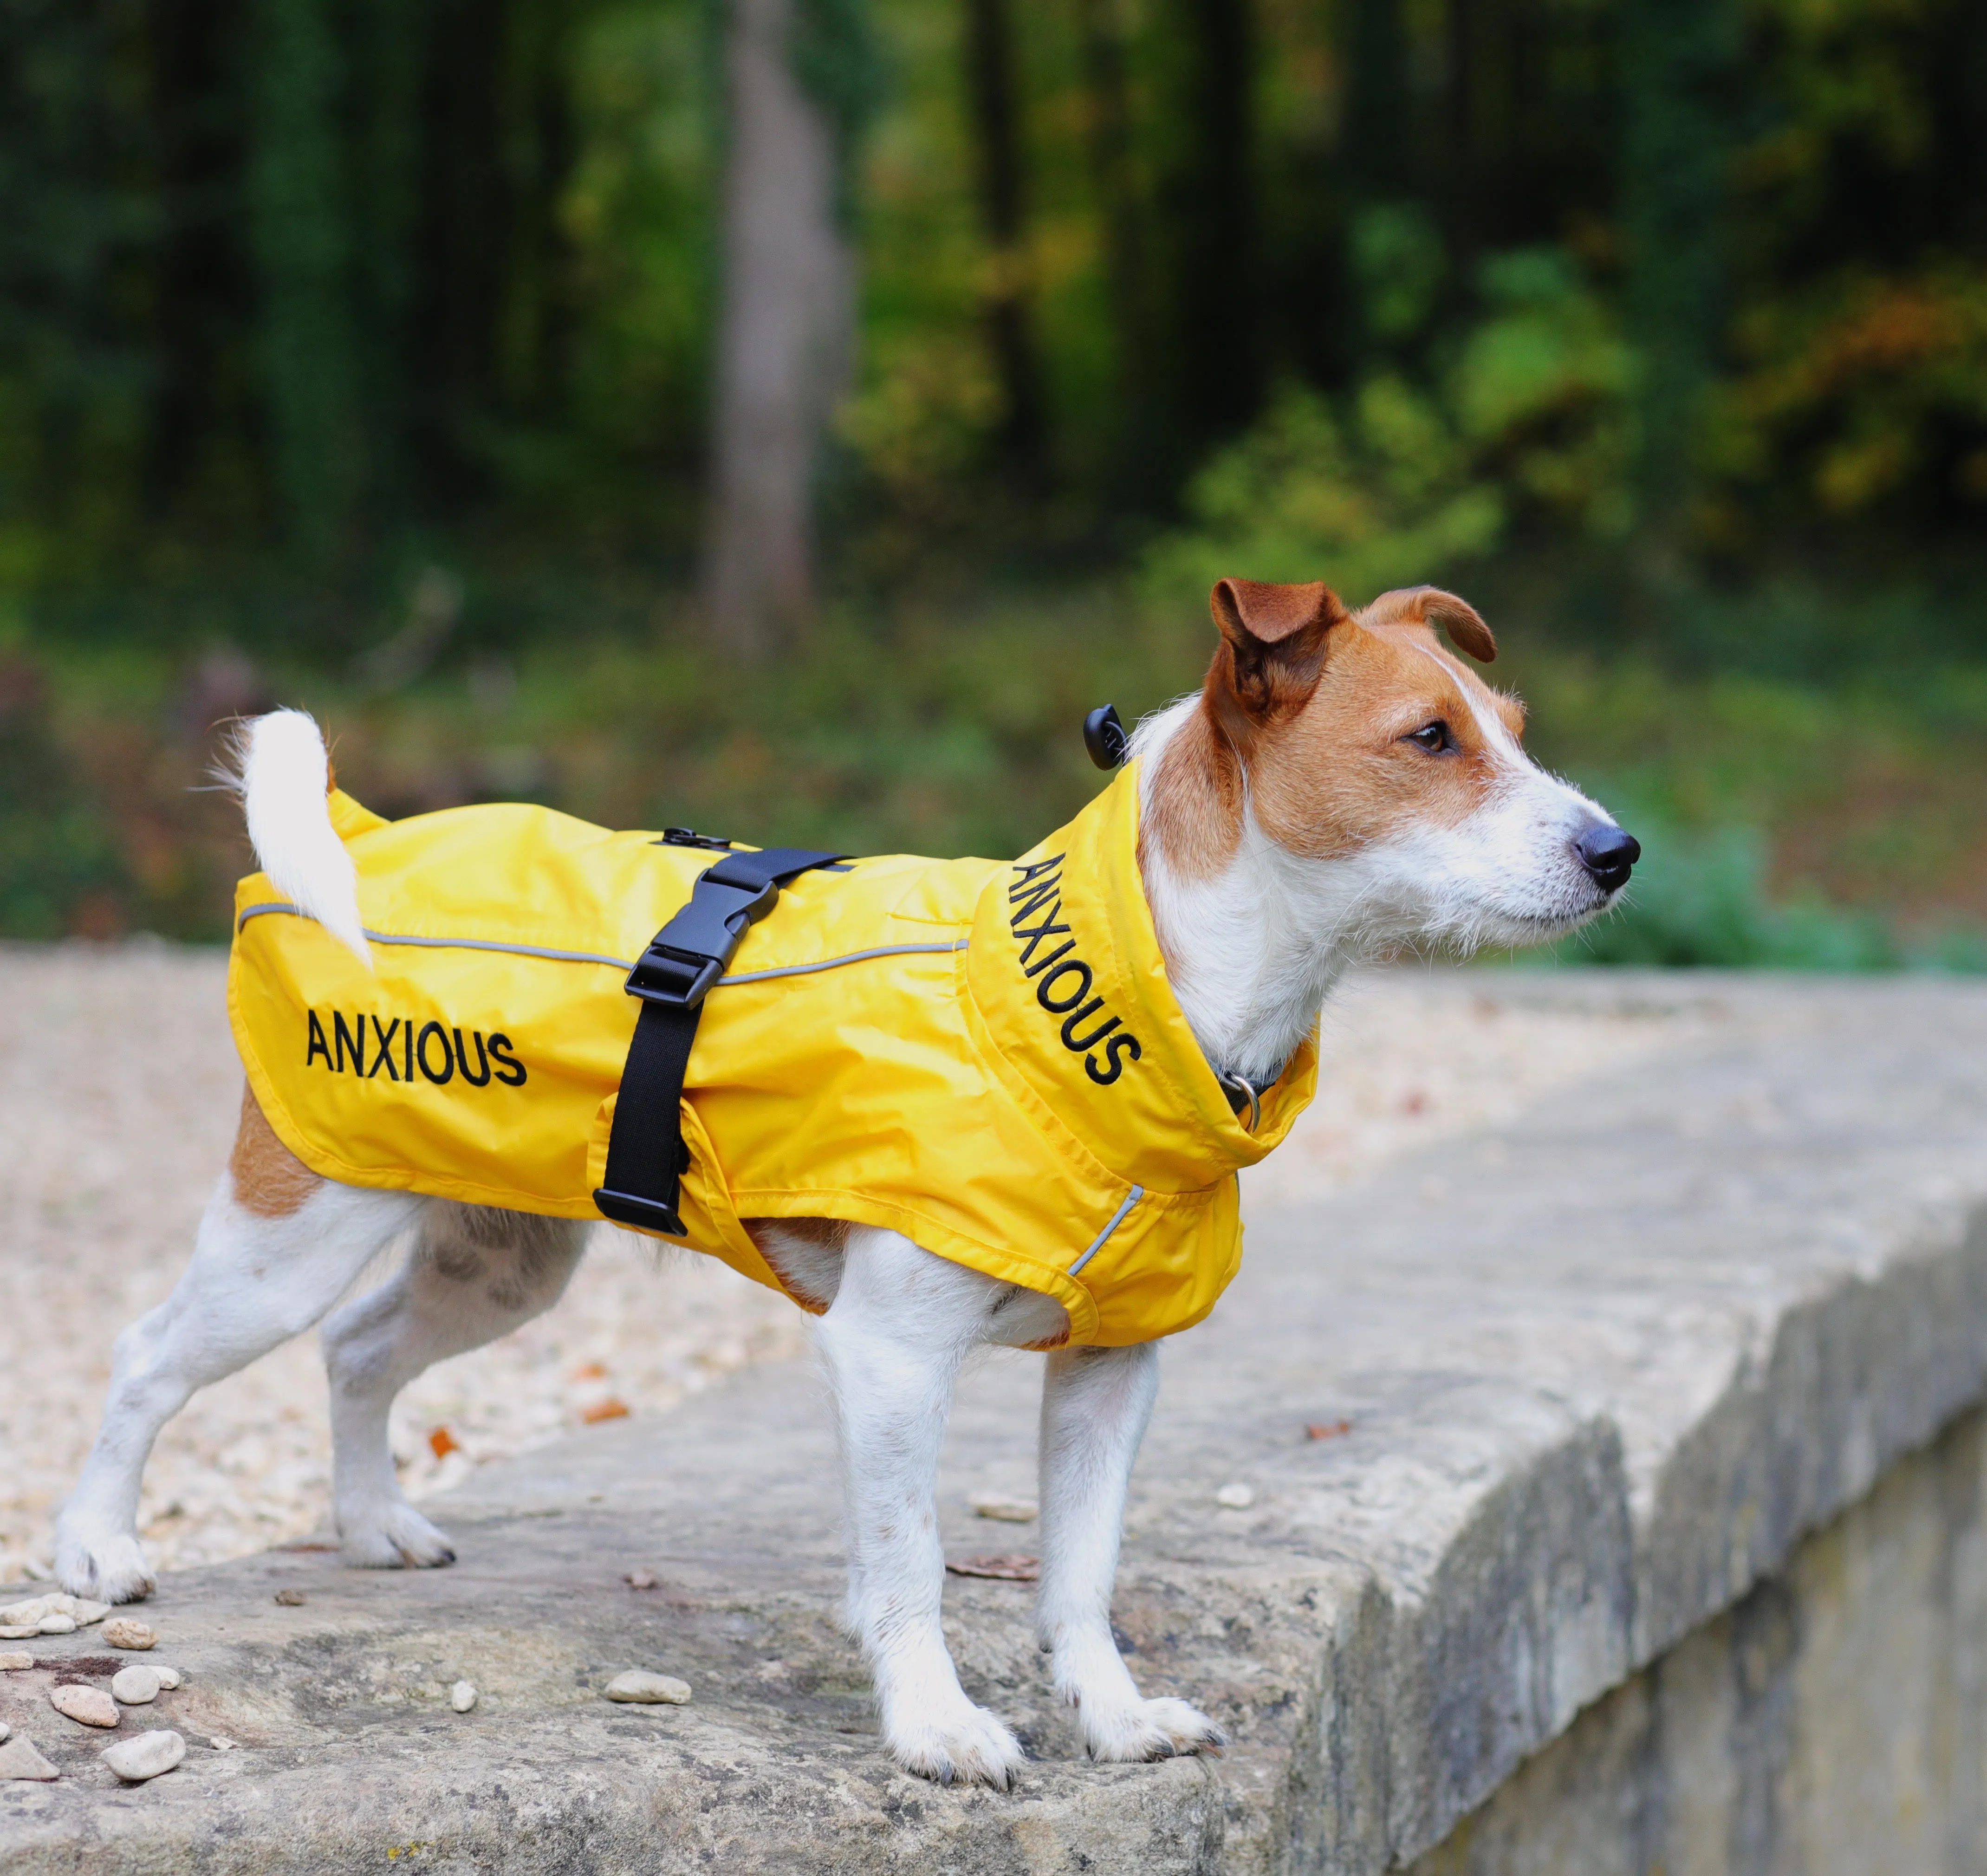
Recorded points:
(286,776)
(1255,952)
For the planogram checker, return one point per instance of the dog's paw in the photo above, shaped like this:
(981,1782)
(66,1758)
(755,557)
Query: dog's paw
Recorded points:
(108,1567)
(1142,1729)
(392,1536)
(969,1746)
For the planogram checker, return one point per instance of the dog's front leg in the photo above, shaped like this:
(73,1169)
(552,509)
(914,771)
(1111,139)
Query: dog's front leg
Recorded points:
(1095,1403)
(902,1322)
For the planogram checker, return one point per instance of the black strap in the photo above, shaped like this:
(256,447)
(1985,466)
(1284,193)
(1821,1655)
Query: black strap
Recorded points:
(646,1158)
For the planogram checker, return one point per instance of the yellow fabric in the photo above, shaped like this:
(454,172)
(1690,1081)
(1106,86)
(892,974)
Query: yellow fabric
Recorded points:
(1001,1119)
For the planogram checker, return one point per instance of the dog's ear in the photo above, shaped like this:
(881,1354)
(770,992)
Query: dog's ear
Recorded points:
(1422,604)
(1273,641)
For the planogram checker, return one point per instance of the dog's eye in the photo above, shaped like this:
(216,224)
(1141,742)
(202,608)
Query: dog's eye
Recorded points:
(1432,737)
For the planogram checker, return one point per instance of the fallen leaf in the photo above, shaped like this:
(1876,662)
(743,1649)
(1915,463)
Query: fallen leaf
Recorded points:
(608,1409)
(1012,1568)
(1326,1429)
(443,1443)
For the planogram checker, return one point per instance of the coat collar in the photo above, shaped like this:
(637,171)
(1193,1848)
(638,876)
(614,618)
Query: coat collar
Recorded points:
(1065,971)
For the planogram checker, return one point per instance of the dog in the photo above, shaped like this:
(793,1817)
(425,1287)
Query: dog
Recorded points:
(1342,786)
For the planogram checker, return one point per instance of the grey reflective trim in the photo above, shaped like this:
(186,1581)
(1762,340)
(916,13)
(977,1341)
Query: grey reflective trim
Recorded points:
(1117,1218)
(453,944)
(828,963)
(594,958)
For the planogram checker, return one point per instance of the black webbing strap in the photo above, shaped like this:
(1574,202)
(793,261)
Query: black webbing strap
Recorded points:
(646,1158)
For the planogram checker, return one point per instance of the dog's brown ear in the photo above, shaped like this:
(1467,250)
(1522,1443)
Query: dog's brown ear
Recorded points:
(1272,640)
(1422,604)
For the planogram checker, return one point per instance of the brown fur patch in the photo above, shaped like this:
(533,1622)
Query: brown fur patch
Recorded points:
(1339,774)
(1194,808)
(823,1233)
(270,1180)
(1317,716)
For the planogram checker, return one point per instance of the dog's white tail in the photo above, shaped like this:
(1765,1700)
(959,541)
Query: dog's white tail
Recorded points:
(284,776)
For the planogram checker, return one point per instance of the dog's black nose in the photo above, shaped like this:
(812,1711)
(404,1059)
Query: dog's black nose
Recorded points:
(1607,854)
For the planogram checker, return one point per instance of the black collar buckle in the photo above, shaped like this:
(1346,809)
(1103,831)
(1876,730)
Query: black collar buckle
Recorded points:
(693,951)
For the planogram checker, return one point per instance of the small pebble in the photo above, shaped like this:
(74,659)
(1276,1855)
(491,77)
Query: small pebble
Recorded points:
(169,1678)
(12,1663)
(57,1624)
(146,1757)
(91,1706)
(1235,1497)
(640,1579)
(6,1733)
(18,1631)
(1005,1510)
(644,1689)
(19,1759)
(462,1695)
(136,1686)
(222,1743)
(292,1598)
(124,1632)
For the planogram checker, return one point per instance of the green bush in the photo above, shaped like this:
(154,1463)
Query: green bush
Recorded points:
(1699,899)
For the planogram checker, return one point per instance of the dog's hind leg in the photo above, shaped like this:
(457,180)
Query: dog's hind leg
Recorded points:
(902,1322)
(474,1274)
(270,1260)
(1095,1403)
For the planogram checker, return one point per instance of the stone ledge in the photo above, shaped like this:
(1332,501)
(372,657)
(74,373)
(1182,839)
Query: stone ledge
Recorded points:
(1603,1367)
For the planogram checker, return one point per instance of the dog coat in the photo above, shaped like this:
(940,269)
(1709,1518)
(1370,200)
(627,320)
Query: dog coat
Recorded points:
(986,1056)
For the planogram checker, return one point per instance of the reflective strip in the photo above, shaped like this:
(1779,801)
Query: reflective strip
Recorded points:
(617,963)
(449,944)
(828,963)
(1117,1218)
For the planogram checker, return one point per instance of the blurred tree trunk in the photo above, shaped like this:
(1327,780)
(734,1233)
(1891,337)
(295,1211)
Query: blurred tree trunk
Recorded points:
(1466,186)
(990,85)
(299,213)
(390,45)
(1376,104)
(197,139)
(1128,282)
(785,332)
(1217,289)
(1675,58)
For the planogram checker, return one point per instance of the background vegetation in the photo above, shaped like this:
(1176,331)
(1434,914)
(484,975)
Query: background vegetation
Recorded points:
(357,353)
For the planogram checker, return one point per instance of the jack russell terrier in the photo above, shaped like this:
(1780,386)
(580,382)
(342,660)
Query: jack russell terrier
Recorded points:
(941,1104)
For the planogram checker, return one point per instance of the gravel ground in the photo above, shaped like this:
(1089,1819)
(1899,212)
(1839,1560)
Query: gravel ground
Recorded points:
(119,1087)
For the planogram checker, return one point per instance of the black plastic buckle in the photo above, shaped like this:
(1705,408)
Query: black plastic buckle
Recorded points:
(690,953)
(629,1208)
(690,837)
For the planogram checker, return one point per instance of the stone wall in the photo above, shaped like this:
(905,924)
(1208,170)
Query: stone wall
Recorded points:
(1833,1722)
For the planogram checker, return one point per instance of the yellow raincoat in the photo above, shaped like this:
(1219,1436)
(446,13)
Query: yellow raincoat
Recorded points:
(985,1056)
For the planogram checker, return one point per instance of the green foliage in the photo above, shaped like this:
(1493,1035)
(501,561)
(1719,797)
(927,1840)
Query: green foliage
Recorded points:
(1782,825)
(300,291)
(60,870)
(1402,481)
(1699,899)
(840,61)
(302,242)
